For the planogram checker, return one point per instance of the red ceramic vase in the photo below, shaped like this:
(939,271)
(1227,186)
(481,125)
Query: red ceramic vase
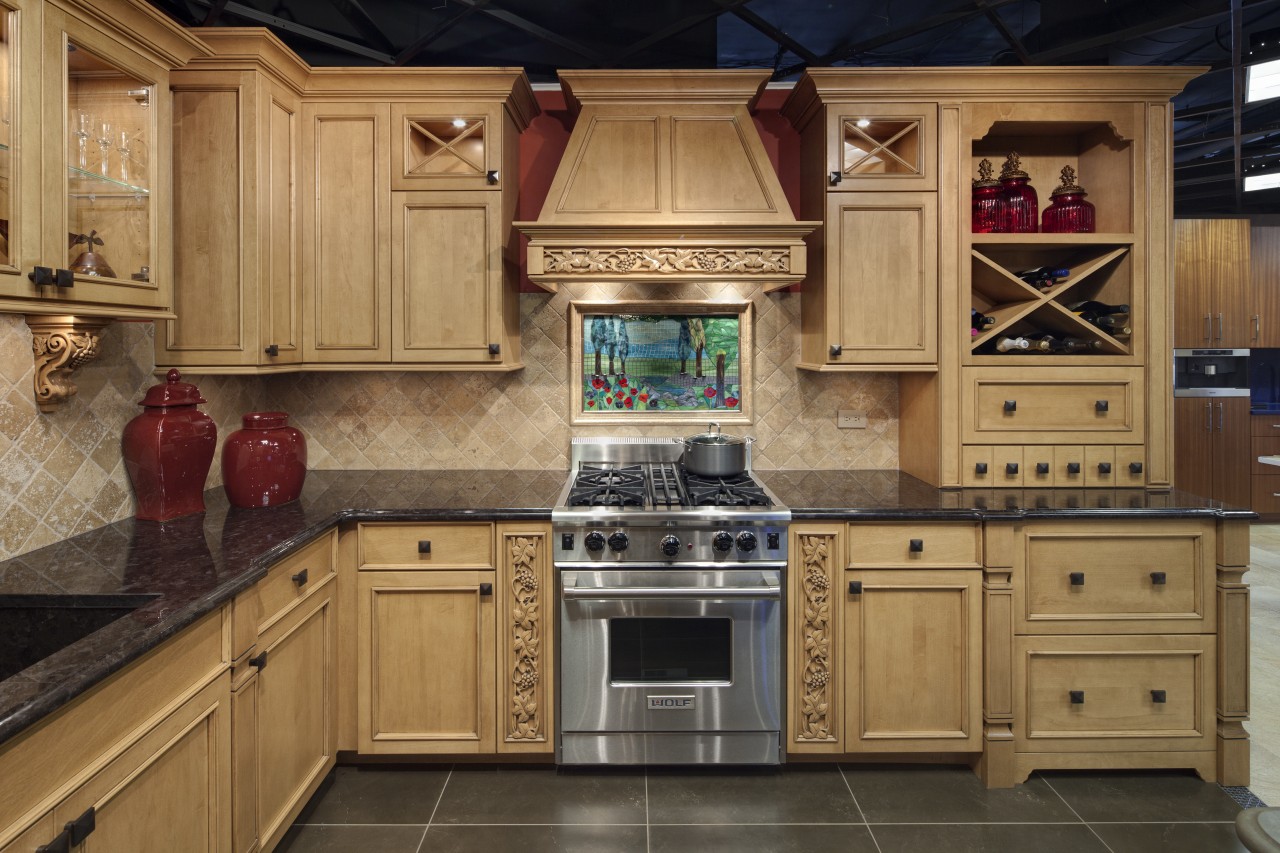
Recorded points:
(168,450)
(264,463)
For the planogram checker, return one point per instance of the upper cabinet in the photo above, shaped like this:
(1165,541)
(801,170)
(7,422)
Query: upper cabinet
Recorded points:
(443,146)
(1212,287)
(882,146)
(84,157)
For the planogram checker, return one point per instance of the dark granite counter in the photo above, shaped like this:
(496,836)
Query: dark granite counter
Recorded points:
(188,567)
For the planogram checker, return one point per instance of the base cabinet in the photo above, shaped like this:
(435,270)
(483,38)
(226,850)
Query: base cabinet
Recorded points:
(1213,441)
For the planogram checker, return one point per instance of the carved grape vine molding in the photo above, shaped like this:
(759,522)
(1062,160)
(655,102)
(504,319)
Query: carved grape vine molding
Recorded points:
(526,641)
(669,261)
(815,703)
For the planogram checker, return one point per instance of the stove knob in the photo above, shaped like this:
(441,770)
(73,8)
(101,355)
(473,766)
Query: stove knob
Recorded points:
(722,541)
(594,541)
(670,545)
(746,542)
(618,541)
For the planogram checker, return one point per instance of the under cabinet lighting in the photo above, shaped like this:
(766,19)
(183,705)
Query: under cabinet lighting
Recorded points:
(864,122)
(1264,81)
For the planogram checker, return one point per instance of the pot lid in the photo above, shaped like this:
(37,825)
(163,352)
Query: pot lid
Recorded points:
(172,392)
(715,437)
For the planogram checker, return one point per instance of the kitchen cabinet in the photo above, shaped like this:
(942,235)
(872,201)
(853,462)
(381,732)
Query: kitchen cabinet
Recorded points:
(1213,287)
(284,701)
(1264,263)
(84,149)
(237,122)
(1265,478)
(147,753)
(1213,439)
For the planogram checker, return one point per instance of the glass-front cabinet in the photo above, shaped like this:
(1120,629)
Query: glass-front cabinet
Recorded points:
(84,115)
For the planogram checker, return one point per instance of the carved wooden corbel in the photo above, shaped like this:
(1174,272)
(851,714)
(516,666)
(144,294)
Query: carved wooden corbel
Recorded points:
(61,344)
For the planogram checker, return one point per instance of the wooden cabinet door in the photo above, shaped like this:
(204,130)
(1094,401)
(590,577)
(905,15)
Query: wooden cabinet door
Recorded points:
(1232,443)
(1264,261)
(1212,284)
(346,247)
(447,146)
(20,142)
(295,738)
(447,267)
(426,662)
(882,147)
(913,660)
(1233,287)
(882,273)
(279,271)
(1193,423)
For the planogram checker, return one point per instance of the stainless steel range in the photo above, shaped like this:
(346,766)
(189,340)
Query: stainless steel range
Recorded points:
(671,602)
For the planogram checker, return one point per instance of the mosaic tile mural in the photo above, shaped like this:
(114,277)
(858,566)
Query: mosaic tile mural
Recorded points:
(62,474)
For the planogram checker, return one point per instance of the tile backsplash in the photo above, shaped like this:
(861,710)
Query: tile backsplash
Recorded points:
(61,473)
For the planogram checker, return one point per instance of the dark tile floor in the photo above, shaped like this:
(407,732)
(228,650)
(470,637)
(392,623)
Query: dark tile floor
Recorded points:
(801,807)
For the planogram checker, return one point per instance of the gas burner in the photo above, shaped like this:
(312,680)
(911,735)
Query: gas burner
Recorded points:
(734,490)
(604,485)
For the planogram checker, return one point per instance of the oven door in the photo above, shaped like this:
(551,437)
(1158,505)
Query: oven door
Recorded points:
(670,650)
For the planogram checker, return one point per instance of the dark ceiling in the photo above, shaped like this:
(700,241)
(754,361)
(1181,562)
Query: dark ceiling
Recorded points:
(790,35)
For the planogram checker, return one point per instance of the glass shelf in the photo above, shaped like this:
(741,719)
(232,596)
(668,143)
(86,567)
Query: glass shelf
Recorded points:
(85,183)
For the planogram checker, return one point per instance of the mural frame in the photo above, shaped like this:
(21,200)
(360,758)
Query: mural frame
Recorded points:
(579,311)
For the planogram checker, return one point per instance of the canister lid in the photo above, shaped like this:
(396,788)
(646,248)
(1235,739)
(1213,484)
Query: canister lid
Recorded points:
(265,420)
(172,392)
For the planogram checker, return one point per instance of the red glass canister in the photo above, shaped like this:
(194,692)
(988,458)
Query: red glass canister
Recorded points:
(264,463)
(987,208)
(1021,205)
(1068,212)
(168,450)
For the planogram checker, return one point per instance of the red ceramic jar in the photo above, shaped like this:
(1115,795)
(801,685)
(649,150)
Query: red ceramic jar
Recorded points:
(988,215)
(1068,212)
(264,463)
(168,450)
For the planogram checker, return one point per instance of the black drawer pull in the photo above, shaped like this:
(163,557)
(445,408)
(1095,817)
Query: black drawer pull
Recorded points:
(980,468)
(1011,468)
(300,578)
(1042,467)
(1158,697)
(61,843)
(486,589)
(1011,405)
(1158,578)
(1076,697)
(1135,467)
(82,827)
(1104,467)
(64,278)
(834,178)
(1077,578)
(273,350)
(916,546)
(1073,467)
(41,276)
(1101,405)
(260,662)
(855,587)
(424,546)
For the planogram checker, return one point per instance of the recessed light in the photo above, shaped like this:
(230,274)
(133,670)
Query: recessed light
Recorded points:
(864,122)
(459,122)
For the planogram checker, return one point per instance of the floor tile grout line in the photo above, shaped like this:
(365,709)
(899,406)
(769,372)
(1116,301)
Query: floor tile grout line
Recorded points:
(435,808)
(1074,812)
(858,806)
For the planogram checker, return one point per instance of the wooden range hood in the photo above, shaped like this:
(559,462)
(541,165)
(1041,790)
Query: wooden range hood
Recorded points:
(665,179)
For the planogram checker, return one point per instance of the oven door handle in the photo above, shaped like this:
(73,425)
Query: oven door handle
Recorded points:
(599,593)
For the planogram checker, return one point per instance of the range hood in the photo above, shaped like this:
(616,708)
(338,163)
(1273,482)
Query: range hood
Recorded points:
(665,179)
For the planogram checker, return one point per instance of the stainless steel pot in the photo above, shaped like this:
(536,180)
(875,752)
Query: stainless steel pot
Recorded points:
(714,454)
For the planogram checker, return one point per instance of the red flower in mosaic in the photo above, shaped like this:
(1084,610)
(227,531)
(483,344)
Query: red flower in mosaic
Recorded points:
(609,400)
(597,383)
(731,401)
(709,393)
(622,380)
(590,403)
(629,402)
(644,398)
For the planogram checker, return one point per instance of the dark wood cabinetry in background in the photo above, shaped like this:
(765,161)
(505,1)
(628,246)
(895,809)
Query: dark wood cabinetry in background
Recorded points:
(1212,444)
(1212,284)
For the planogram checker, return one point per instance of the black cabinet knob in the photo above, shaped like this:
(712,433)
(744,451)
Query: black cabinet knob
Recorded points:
(1077,578)
(1104,467)
(915,546)
(1158,578)
(1011,468)
(855,587)
(1042,467)
(1073,467)
(424,546)
(834,178)
(835,350)
(300,578)
(1011,405)
(491,176)
(64,278)
(1101,406)
(1135,467)
(495,349)
(41,276)
(980,468)
(486,589)
(1076,697)
(273,350)
(1158,696)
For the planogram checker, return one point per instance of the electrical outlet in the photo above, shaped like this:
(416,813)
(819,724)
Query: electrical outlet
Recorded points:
(849,419)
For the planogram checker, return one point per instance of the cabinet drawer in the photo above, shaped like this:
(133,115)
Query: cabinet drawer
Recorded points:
(1266,494)
(1266,424)
(1111,694)
(911,543)
(288,581)
(1057,405)
(1264,446)
(1092,577)
(426,546)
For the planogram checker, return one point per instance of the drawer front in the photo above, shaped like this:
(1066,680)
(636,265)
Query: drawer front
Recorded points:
(915,544)
(1266,424)
(977,468)
(1266,494)
(1038,461)
(1098,694)
(1131,466)
(1068,466)
(288,581)
(1089,578)
(1264,446)
(426,546)
(1058,407)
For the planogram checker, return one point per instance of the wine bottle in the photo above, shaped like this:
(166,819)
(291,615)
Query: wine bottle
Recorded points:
(1109,324)
(980,321)
(1098,309)
(1077,345)
(1012,344)
(1045,342)
(1045,277)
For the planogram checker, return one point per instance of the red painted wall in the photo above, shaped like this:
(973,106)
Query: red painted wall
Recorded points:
(543,144)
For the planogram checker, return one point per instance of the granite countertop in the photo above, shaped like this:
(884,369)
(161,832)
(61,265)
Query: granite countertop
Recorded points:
(190,566)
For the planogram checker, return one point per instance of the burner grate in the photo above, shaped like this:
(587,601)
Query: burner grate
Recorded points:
(665,483)
(735,490)
(599,485)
